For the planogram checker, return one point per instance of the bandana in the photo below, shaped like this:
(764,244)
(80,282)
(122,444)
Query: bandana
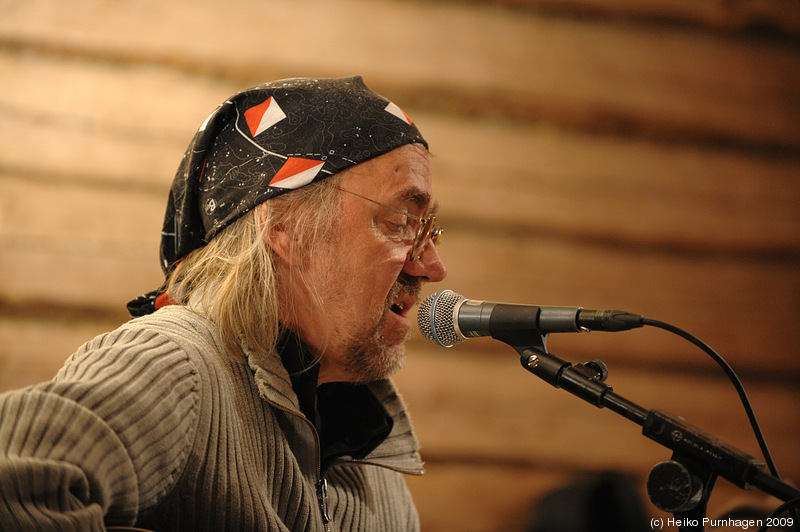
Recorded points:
(264,142)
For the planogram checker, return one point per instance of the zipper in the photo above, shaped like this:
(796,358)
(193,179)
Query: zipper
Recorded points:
(322,483)
(322,495)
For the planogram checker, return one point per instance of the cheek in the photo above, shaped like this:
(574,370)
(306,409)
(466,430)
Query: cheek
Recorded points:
(379,254)
(377,278)
(368,265)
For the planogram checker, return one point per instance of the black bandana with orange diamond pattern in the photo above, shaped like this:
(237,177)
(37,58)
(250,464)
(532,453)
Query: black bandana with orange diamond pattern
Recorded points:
(269,140)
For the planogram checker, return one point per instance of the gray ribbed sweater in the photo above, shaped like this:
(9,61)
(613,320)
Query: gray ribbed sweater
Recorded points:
(152,424)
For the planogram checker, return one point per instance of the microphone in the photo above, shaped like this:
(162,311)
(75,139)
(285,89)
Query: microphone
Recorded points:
(446,319)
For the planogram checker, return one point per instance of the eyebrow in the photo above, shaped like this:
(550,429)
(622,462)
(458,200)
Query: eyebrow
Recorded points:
(420,198)
(415,195)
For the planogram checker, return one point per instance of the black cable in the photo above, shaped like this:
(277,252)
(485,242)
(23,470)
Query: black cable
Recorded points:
(788,505)
(736,383)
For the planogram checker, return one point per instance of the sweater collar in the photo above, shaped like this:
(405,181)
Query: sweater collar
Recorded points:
(287,379)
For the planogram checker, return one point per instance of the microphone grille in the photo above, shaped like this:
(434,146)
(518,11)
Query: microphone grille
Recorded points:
(436,319)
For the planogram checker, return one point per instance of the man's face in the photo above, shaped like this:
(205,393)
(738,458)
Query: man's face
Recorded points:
(363,276)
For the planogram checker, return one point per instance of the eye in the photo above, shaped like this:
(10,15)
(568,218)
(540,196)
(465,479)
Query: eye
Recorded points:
(401,232)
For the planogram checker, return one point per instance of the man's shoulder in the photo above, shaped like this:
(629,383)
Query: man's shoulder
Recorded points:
(177,322)
(173,332)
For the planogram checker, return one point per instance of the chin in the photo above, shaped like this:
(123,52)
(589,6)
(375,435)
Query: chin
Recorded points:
(376,362)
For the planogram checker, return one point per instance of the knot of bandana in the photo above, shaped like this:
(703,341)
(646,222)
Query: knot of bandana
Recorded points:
(266,141)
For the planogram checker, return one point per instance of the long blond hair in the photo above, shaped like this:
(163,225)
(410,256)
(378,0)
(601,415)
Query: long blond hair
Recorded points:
(233,278)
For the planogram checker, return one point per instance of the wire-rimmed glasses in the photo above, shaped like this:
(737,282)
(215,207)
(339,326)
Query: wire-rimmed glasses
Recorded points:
(427,226)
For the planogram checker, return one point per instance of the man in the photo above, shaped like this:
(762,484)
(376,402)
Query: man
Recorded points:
(251,392)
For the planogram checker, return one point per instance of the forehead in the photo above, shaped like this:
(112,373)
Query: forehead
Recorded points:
(402,175)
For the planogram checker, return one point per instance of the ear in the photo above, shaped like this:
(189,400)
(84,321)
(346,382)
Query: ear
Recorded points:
(280,237)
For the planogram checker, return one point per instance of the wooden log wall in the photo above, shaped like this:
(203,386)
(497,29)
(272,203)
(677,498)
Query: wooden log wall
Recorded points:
(637,155)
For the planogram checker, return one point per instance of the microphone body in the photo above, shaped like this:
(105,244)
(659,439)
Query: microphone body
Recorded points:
(446,319)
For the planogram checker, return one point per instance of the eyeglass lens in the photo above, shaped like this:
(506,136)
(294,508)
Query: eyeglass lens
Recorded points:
(428,230)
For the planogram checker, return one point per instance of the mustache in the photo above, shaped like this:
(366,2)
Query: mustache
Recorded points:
(405,285)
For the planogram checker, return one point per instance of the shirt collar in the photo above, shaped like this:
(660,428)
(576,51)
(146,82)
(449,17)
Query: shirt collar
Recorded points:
(348,417)
(398,451)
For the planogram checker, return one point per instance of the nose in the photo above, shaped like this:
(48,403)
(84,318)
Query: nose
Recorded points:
(429,266)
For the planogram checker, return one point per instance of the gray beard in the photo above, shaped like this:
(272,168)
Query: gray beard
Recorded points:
(367,357)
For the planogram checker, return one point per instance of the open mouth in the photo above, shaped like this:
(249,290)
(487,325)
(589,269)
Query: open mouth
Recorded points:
(398,308)
(403,304)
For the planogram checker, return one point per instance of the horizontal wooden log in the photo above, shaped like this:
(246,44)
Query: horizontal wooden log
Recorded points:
(32,349)
(77,244)
(105,124)
(615,192)
(671,84)
(777,17)
(480,497)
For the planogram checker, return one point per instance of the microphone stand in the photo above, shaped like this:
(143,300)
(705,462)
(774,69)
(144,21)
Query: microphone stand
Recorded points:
(683,484)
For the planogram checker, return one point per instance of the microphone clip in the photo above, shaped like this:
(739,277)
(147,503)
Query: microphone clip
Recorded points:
(586,381)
